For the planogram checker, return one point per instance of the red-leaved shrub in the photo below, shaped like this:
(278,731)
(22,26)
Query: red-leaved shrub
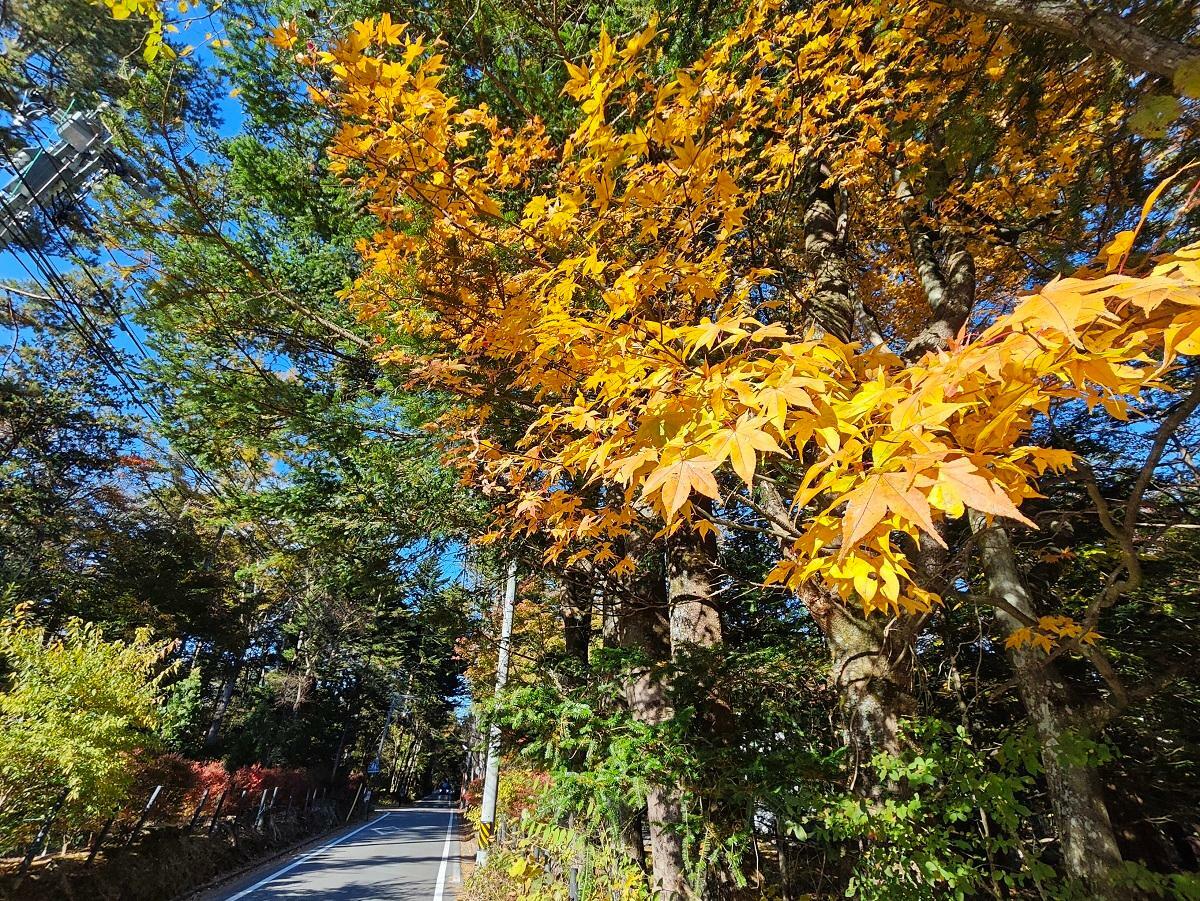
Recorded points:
(184,783)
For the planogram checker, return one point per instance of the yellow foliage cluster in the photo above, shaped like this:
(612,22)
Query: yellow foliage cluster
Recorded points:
(150,10)
(609,284)
(1048,632)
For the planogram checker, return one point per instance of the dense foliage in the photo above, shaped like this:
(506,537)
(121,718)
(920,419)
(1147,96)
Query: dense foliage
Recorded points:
(74,710)
(251,501)
(828,369)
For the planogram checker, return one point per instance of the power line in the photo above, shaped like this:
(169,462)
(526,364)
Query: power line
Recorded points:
(95,338)
(109,357)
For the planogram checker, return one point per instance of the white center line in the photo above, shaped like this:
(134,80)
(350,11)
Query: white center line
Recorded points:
(441,880)
(295,863)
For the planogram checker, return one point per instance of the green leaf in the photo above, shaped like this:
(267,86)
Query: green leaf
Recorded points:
(1154,115)
(154,44)
(1187,79)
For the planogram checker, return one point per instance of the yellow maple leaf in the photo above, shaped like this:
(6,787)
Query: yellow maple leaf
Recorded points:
(1117,250)
(677,481)
(878,496)
(284,35)
(387,31)
(740,445)
(959,483)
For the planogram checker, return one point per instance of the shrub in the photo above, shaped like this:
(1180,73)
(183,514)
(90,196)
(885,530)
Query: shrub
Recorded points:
(74,710)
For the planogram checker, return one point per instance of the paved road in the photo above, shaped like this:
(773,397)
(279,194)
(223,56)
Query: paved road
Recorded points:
(410,854)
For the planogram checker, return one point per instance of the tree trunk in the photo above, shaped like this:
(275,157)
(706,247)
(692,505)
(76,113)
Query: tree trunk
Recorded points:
(695,624)
(628,820)
(831,308)
(213,736)
(577,621)
(871,669)
(645,629)
(1089,845)
(629,832)
(408,783)
(783,853)
(337,755)
(1093,28)
(871,675)
(303,674)
(691,591)
(664,813)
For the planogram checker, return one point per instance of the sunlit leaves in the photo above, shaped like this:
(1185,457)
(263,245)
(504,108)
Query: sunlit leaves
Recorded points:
(677,481)
(959,485)
(1048,632)
(74,709)
(741,445)
(284,35)
(879,496)
(148,9)
(614,298)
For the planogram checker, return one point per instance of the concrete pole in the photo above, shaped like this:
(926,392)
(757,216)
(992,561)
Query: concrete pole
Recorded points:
(491,779)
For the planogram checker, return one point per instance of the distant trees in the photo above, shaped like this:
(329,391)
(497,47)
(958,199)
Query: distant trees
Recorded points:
(194,442)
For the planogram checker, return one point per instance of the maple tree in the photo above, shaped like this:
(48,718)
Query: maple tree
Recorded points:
(653,404)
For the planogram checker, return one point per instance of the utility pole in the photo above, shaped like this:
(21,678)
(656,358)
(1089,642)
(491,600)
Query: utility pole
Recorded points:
(62,172)
(491,779)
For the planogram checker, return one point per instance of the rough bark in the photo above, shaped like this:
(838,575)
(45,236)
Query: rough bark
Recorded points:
(213,735)
(691,590)
(695,625)
(577,621)
(871,668)
(832,308)
(645,629)
(1092,28)
(946,270)
(1089,845)
(663,811)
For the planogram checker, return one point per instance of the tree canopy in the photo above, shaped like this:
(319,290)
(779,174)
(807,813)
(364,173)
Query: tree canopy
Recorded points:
(827,370)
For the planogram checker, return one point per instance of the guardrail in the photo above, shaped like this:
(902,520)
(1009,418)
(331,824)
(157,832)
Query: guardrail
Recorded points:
(230,812)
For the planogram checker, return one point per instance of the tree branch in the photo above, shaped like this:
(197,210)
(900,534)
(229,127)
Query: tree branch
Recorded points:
(1097,30)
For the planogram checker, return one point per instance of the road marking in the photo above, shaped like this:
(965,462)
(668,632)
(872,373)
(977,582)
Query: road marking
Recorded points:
(456,870)
(441,881)
(291,866)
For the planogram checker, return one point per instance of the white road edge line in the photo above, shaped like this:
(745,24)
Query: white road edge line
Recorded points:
(295,863)
(441,881)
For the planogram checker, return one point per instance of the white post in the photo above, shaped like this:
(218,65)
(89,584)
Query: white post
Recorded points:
(491,779)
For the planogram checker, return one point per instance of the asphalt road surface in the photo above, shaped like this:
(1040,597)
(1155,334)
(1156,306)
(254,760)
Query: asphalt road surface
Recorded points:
(410,854)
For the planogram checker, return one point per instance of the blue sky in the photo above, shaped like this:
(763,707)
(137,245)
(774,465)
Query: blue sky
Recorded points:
(197,28)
